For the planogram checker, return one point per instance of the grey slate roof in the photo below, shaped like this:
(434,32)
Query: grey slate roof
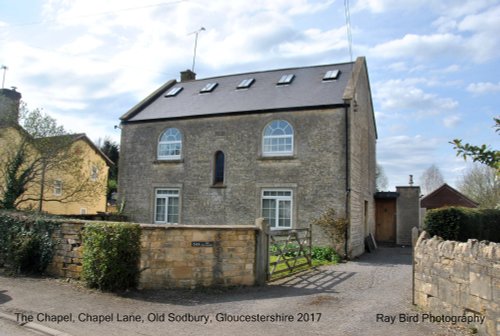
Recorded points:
(307,90)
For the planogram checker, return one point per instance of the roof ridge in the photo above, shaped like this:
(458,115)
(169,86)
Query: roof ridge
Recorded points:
(268,71)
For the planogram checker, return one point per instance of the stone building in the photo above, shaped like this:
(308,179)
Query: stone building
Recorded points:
(283,144)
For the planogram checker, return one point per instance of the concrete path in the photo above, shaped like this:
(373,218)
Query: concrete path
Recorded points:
(356,298)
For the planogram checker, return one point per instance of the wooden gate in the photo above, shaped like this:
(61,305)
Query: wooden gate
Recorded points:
(289,250)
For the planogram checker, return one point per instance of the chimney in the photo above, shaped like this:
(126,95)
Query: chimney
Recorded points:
(9,106)
(187,75)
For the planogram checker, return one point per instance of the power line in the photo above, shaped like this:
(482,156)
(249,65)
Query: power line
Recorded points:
(101,60)
(99,14)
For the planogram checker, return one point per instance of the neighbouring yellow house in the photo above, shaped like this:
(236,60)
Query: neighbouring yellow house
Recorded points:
(69,174)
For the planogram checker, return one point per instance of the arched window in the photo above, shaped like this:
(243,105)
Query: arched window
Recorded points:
(170,145)
(219,168)
(277,139)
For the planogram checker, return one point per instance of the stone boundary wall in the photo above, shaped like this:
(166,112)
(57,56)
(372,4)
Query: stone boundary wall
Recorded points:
(459,279)
(175,256)
(67,259)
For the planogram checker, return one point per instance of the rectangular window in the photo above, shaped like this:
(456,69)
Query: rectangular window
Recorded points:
(278,144)
(277,208)
(331,75)
(246,83)
(209,87)
(57,188)
(167,206)
(174,91)
(170,150)
(94,173)
(286,79)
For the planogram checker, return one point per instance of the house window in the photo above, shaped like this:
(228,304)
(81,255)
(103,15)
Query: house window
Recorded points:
(167,206)
(331,75)
(277,139)
(219,168)
(57,188)
(83,211)
(245,84)
(209,87)
(170,145)
(94,173)
(286,79)
(277,208)
(174,91)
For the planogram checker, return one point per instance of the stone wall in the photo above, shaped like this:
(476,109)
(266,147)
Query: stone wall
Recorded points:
(459,279)
(169,259)
(174,256)
(67,260)
(362,139)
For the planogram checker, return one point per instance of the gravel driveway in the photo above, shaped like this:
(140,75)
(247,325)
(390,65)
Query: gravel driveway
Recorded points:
(345,299)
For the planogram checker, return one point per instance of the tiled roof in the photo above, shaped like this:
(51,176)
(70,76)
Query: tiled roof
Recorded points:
(306,90)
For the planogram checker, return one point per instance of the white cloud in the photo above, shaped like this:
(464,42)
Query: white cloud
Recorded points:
(420,47)
(404,94)
(380,6)
(452,8)
(81,45)
(483,87)
(451,121)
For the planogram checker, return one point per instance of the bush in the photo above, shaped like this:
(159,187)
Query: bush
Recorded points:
(324,254)
(25,242)
(334,227)
(111,255)
(461,224)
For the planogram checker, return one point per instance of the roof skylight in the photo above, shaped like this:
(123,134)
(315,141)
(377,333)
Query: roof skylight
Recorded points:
(331,75)
(286,79)
(209,87)
(246,83)
(174,91)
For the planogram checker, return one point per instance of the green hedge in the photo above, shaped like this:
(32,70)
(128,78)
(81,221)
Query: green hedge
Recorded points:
(455,223)
(25,242)
(111,255)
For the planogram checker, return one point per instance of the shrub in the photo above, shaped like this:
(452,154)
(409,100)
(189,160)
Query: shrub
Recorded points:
(324,254)
(444,222)
(334,227)
(461,224)
(111,256)
(25,242)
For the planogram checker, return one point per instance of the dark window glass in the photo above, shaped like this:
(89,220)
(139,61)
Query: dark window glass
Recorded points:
(219,168)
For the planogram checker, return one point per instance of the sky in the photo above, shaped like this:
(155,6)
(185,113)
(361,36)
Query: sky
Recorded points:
(434,66)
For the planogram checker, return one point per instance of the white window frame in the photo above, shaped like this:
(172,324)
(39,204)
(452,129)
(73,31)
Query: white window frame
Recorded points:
(273,137)
(170,142)
(57,188)
(166,197)
(279,199)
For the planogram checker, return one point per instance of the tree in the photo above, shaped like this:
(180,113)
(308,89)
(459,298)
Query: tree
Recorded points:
(39,125)
(481,185)
(431,179)
(112,150)
(381,181)
(37,153)
(483,154)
